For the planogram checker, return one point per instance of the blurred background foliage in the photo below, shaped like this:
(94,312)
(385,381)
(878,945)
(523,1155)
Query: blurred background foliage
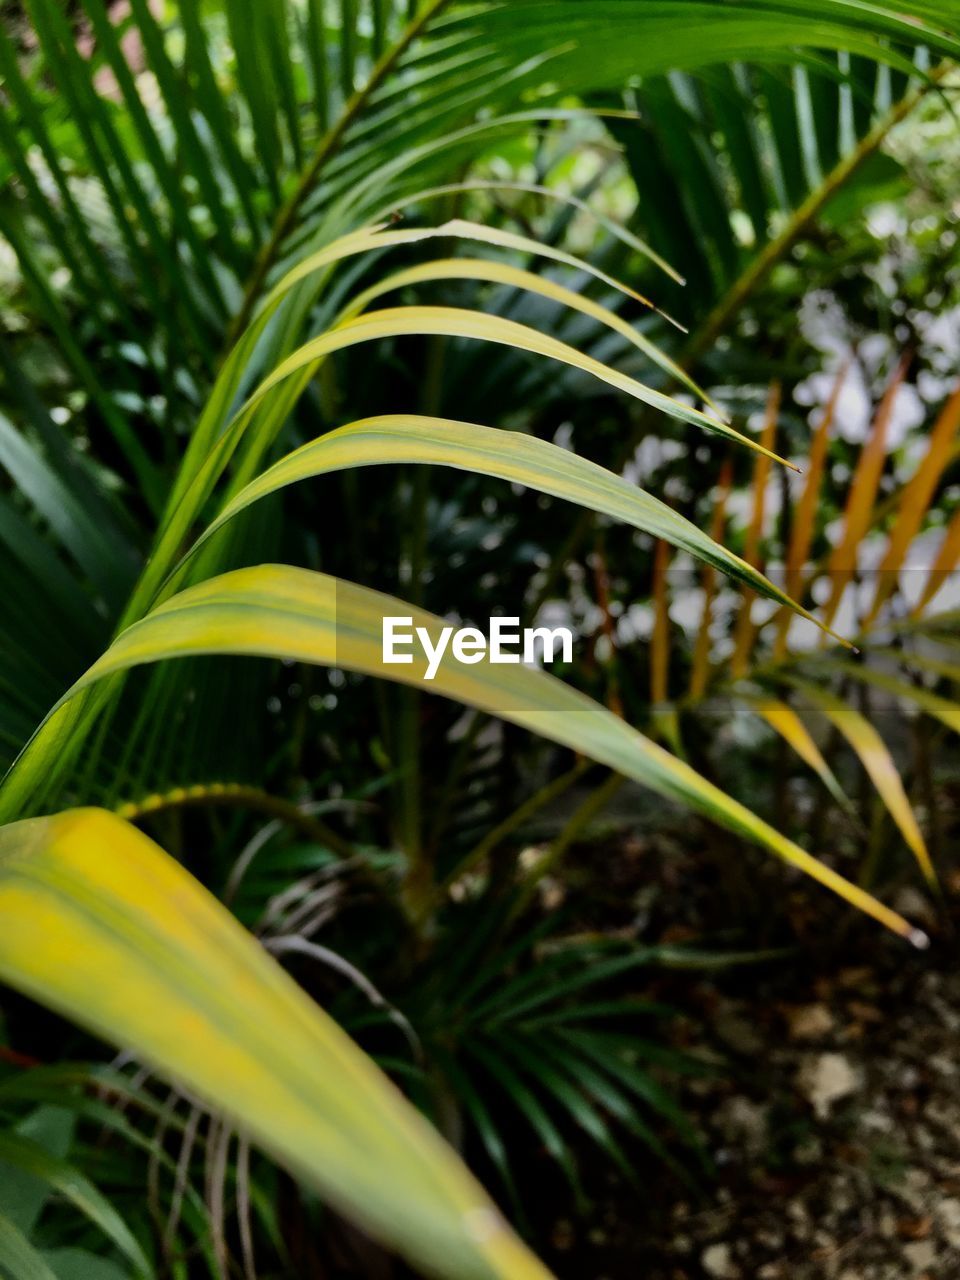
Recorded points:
(150,157)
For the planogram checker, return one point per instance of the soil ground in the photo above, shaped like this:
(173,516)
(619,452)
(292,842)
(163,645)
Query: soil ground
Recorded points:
(833,1122)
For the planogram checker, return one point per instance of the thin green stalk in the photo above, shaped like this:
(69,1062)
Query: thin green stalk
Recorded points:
(448,788)
(578,822)
(736,297)
(420,876)
(290,209)
(532,805)
(410,744)
(926,786)
(239,796)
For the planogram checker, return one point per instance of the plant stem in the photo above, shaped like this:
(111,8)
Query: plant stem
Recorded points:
(581,818)
(757,272)
(776,249)
(239,796)
(550,791)
(289,210)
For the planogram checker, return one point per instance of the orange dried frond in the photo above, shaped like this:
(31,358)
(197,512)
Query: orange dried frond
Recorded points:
(801,534)
(862,496)
(744,633)
(946,562)
(915,500)
(761,474)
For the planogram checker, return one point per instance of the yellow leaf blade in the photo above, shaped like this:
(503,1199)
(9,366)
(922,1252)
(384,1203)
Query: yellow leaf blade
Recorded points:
(551,193)
(948,557)
(455,322)
(367,239)
(503,273)
(363,240)
(140,953)
(278,611)
(863,493)
(783,719)
(505,455)
(941,709)
(801,533)
(875,757)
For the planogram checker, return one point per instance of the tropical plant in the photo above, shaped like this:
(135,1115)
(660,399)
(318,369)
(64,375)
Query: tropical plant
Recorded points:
(888,603)
(873,574)
(174,259)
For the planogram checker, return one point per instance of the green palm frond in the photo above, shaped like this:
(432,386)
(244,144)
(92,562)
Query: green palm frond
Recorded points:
(895,617)
(195,273)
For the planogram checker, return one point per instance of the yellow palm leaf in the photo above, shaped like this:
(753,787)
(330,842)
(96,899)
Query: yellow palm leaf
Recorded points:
(801,532)
(783,719)
(140,953)
(875,757)
(279,611)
